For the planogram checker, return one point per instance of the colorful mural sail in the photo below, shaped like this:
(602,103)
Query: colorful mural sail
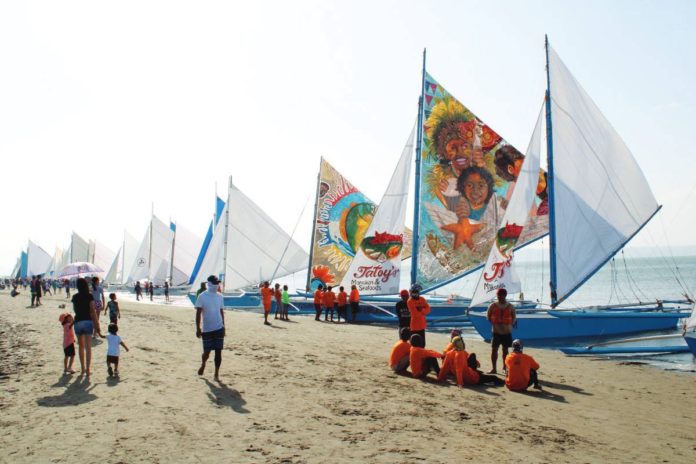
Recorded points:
(376,267)
(343,215)
(468,173)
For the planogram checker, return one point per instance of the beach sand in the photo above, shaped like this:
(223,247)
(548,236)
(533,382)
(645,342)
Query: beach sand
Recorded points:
(315,392)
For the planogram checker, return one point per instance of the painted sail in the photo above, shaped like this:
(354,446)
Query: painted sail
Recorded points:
(376,267)
(499,270)
(601,196)
(38,261)
(79,250)
(468,174)
(343,215)
(185,250)
(219,206)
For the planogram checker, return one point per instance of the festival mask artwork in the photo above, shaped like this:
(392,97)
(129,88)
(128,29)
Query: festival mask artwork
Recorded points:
(468,173)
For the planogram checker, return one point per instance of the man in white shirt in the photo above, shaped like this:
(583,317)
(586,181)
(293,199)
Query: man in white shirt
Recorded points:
(209,309)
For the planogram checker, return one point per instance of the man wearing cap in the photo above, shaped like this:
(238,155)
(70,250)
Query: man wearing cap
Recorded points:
(402,312)
(521,369)
(209,309)
(418,308)
(501,315)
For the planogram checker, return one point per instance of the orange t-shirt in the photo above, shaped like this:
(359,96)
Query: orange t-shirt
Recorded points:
(354,296)
(418,309)
(399,350)
(317,296)
(518,367)
(417,356)
(266,294)
(448,348)
(342,296)
(329,299)
(457,363)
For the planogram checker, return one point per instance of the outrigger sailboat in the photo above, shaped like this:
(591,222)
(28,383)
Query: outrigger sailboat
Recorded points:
(598,199)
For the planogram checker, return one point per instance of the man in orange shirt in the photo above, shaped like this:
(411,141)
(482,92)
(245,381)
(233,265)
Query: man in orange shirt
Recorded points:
(457,363)
(318,301)
(266,297)
(400,353)
(342,299)
(422,361)
(329,302)
(501,315)
(354,300)
(418,307)
(521,369)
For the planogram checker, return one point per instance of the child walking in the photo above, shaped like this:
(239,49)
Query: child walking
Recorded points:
(114,349)
(66,320)
(114,311)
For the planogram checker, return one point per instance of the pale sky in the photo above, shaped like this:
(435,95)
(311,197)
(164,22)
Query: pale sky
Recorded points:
(107,107)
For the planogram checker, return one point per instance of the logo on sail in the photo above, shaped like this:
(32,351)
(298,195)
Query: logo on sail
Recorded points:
(382,246)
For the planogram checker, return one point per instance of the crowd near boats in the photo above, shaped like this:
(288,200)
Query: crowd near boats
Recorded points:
(477,200)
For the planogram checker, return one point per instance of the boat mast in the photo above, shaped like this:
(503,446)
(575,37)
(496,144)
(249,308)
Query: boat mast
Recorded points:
(549,182)
(224,243)
(171,263)
(314,227)
(416,208)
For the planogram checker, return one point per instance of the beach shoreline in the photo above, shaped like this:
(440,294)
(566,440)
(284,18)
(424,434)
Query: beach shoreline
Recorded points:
(307,391)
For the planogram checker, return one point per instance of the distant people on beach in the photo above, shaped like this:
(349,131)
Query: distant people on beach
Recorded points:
(99,301)
(422,361)
(329,303)
(521,370)
(66,286)
(278,299)
(399,358)
(114,310)
(67,322)
(113,351)
(318,297)
(151,290)
(201,289)
(501,315)
(418,308)
(166,291)
(285,299)
(209,310)
(86,320)
(138,291)
(354,301)
(266,298)
(341,300)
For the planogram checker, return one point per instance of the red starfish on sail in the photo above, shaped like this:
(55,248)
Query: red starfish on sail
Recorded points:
(463,232)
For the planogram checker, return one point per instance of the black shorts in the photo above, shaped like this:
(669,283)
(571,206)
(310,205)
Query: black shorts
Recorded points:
(501,339)
(69,350)
(112,360)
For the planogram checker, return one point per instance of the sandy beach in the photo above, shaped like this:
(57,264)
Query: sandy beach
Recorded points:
(305,391)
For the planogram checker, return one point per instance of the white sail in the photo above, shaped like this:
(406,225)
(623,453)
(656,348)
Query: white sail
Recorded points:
(90,253)
(499,270)
(155,248)
(55,266)
(79,250)
(691,321)
(376,267)
(102,256)
(17,267)
(186,248)
(112,274)
(130,251)
(38,260)
(140,268)
(212,263)
(257,248)
(601,196)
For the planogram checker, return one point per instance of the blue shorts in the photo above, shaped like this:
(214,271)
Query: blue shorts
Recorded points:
(213,340)
(84,328)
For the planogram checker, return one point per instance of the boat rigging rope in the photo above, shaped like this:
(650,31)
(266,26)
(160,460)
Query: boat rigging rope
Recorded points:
(632,282)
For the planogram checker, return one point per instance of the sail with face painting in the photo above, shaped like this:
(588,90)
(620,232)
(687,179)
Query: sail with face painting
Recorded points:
(342,216)
(468,174)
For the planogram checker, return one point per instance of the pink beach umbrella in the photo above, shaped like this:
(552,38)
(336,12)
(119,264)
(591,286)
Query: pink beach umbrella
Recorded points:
(79,270)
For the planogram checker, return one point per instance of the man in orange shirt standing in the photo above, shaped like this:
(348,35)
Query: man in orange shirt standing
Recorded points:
(521,370)
(329,302)
(342,299)
(418,307)
(318,301)
(354,300)
(501,315)
(266,297)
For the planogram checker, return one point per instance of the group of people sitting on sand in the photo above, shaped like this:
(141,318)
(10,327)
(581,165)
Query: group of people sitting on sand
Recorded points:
(410,353)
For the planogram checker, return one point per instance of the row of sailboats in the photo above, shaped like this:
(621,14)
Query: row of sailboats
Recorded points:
(477,200)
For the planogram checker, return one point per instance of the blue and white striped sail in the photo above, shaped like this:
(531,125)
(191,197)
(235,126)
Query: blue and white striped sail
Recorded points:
(600,195)
(219,206)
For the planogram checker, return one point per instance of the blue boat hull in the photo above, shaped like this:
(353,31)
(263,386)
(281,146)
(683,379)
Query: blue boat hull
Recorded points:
(690,338)
(557,325)
(246,300)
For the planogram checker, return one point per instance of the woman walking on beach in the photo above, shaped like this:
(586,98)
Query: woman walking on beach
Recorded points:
(99,301)
(86,320)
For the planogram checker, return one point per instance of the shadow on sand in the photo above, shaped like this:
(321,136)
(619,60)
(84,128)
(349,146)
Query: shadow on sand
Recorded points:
(78,392)
(222,395)
(563,386)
